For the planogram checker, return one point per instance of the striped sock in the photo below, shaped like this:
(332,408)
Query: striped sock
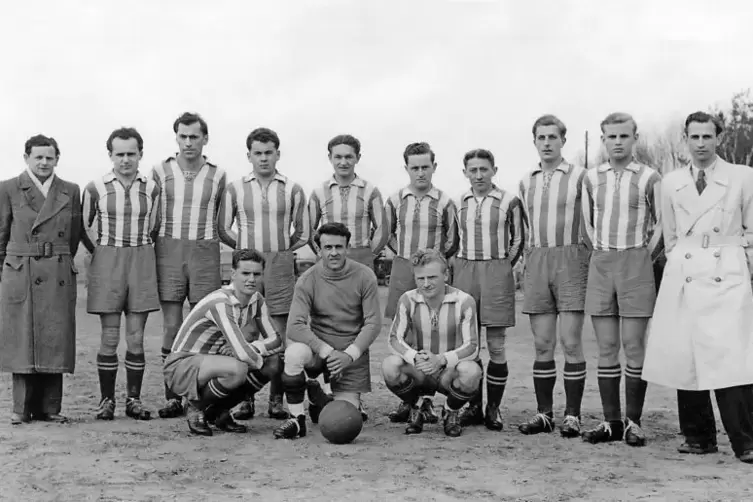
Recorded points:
(255,381)
(496,380)
(408,391)
(295,392)
(544,378)
(107,368)
(457,398)
(635,393)
(134,365)
(575,383)
(211,393)
(609,389)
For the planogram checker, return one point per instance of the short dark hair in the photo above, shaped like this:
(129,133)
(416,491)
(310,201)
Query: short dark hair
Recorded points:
(334,228)
(704,118)
(619,118)
(189,118)
(478,153)
(344,139)
(421,148)
(240,255)
(125,133)
(41,140)
(263,135)
(549,120)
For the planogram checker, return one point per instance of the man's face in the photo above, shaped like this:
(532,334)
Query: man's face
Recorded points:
(619,140)
(548,142)
(344,159)
(480,173)
(125,156)
(191,140)
(430,279)
(42,161)
(247,277)
(420,169)
(702,141)
(264,157)
(332,252)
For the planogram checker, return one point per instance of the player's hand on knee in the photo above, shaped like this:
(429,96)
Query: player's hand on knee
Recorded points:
(337,361)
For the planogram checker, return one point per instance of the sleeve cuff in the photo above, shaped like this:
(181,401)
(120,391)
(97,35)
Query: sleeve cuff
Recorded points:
(452,359)
(410,356)
(353,352)
(325,351)
(259,345)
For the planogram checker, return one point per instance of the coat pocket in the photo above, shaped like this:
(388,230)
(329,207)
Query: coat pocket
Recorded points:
(14,287)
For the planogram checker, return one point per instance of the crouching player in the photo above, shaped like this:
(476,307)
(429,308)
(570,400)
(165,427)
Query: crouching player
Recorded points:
(435,339)
(211,364)
(334,319)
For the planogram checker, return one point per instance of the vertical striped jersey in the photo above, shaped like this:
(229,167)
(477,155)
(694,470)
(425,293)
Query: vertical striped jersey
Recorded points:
(490,227)
(451,330)
(621,210)
(359,206)
(426,222)
(269,219)
(217,320)
(552,206)
(120,216)
(188,207)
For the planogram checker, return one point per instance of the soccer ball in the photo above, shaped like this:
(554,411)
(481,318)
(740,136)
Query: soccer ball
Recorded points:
(340,422)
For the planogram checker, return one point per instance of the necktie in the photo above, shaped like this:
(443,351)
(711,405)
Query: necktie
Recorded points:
(700,184)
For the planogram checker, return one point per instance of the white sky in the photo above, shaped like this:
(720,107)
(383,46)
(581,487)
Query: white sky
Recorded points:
(458,74)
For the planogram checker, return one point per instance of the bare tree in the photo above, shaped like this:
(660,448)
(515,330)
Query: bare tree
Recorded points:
(737,142)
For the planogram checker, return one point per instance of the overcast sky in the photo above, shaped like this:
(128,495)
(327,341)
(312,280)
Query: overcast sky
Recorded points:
(458,74)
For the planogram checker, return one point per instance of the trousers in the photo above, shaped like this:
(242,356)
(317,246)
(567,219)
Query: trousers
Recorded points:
(35,393)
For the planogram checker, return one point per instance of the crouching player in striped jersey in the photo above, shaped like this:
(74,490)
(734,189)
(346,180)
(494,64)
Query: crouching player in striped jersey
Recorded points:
(490,225)
(435,340)
(211,363)
(622,219)
(118,210)
(556,273)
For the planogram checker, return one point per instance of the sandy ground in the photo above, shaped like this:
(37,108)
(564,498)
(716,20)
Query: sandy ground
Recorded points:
(158,460)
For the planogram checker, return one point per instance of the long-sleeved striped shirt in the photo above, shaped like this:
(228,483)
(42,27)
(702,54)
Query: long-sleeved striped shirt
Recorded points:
(622,210)
(426,222)
(120,216)
(269,219)
(359,206)
(451,331)
(217,320)
(188,207)
(552,206)
(491,227)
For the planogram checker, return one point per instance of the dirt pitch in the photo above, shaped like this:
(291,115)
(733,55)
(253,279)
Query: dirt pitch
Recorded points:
(158,460)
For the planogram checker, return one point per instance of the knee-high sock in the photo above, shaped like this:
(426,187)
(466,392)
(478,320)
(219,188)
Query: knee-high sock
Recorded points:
(107,368)
(134,364)
(635,393)
(609,389)
(408,391)
(544,378)
(295,391)
(496,380)
(456,398)
(575,383)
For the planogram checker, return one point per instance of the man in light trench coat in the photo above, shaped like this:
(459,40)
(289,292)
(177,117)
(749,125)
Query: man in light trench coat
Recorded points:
(40,230)
(702,331)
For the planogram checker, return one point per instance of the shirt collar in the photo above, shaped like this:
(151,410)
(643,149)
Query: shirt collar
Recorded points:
(451,295)
(356,182)
(174,158)
(606,166)
(110,177)
(278,176)
(433,193)
(563,166)
(494,192)
(709,170)
(43,187)
(232,296)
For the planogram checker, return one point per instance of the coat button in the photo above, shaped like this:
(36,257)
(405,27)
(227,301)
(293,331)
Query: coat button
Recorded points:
(688,279)
(716,229)
(687,255)
(61,234)
(62,283)
(717,254)
(38,281)
(718,279)
(35,231)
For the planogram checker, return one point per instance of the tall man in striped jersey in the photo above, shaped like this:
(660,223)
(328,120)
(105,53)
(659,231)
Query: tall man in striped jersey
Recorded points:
(490,226)
(270,212)
(347,198)
(419,216)
(118,210)
(211,364)
(434,338)
(622,221)
(555,275)
(186,241)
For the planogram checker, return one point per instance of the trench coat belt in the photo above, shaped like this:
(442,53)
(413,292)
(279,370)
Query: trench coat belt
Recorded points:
(713,241)
(37,249)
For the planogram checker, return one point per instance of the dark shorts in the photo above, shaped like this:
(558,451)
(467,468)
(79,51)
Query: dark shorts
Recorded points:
(621,283)
(181,372)
(363,255)
(401,281)
(279,281)
(187,269)
(122,279)
(492,285)
(354,378)
(555,279)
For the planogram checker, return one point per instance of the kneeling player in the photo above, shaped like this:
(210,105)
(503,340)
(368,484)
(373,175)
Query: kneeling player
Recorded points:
(211,363)
(334,319)
(435,338)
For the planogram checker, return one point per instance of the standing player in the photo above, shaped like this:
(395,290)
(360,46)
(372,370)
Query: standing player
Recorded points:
(118,210)
(419,216)
(434,338)
(211,364)
(186,240)
(270,212)
(621,217)
(490,225)
(556,274)
(334,320)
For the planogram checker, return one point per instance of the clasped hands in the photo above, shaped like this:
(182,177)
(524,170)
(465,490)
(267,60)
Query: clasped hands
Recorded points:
(428,363)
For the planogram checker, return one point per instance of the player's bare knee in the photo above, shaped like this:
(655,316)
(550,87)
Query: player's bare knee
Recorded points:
(573,349)
(392,369)
(236,374)
(634,352)
(468,376)
(296,356)
(544,346)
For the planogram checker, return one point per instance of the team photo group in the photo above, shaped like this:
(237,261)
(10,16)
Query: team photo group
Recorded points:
(661,266)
